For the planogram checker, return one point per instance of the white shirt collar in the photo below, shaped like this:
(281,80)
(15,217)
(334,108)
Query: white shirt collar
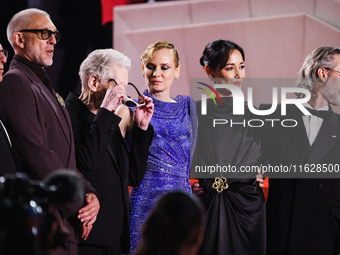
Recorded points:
(325,108)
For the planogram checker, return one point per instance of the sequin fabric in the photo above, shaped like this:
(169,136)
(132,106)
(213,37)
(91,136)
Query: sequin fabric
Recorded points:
(168,163)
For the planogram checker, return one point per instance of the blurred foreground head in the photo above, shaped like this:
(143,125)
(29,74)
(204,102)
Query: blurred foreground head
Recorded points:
(175,226)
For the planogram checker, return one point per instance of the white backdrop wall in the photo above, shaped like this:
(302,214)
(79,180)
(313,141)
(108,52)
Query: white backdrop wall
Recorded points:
(276,35)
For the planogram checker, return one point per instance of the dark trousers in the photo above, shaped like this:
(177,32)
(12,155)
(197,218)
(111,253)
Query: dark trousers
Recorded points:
(69,249)
(88,249)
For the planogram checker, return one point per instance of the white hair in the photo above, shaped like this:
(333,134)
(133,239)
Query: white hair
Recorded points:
(22,20)
(99,62)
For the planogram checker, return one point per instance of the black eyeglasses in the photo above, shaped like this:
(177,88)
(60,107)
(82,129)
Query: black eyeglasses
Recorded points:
(44,34)
(128,101)
(4,52)
(332,70)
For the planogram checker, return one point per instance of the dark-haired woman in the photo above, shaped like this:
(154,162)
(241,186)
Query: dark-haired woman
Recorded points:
(235,206)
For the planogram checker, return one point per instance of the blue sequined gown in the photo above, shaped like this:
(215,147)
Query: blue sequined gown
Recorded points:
(168,166)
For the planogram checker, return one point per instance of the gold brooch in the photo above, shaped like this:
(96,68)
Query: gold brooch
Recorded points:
(220,184)
(60,99)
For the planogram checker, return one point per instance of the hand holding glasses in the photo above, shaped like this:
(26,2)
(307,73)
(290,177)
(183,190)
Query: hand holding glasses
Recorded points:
(128,101)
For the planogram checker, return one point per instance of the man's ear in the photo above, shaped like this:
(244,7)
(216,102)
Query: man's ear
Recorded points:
(93,83)
(323,74)
(19,39)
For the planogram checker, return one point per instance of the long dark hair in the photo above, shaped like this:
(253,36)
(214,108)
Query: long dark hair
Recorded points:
(216,54)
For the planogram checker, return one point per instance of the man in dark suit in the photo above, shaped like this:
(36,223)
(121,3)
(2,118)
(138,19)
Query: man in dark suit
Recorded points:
(38,124)
(102,154)
(303,214)
(7,161)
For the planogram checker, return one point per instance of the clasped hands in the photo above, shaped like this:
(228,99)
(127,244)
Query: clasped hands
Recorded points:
(88,214)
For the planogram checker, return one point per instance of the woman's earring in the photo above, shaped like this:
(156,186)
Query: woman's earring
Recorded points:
(176,77)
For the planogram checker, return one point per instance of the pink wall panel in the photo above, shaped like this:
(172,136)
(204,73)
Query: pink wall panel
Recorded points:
(275,44)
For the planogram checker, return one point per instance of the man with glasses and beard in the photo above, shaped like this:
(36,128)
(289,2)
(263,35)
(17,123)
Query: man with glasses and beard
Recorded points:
(101,152)
(38,123)
(303,214)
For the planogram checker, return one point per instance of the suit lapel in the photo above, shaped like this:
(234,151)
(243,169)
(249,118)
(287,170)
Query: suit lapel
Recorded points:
(122,162)
(56,108)
(48,96)
(115,163)
(327,137)
(119,147)
(5,134)
(297,135)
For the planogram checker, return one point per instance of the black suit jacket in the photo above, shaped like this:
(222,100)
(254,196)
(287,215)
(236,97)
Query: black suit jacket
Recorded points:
(40,129)
(103,157)
(303,215)
(7,157)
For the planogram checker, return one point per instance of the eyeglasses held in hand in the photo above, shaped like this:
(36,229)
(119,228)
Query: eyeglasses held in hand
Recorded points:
(44,34)
(128,101)
(4,52)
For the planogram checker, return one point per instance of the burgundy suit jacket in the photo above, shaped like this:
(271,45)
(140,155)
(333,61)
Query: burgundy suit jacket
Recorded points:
(40,128)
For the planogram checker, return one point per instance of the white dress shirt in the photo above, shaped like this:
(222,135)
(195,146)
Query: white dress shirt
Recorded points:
(313,123)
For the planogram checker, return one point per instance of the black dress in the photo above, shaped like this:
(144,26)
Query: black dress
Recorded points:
(236,215)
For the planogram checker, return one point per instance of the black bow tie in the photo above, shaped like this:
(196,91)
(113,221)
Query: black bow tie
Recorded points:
(320,114)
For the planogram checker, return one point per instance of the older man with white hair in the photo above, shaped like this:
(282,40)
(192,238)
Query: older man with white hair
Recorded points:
(105,159)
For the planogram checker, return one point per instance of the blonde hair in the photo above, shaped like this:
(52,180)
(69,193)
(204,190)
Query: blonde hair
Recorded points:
(147,54)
